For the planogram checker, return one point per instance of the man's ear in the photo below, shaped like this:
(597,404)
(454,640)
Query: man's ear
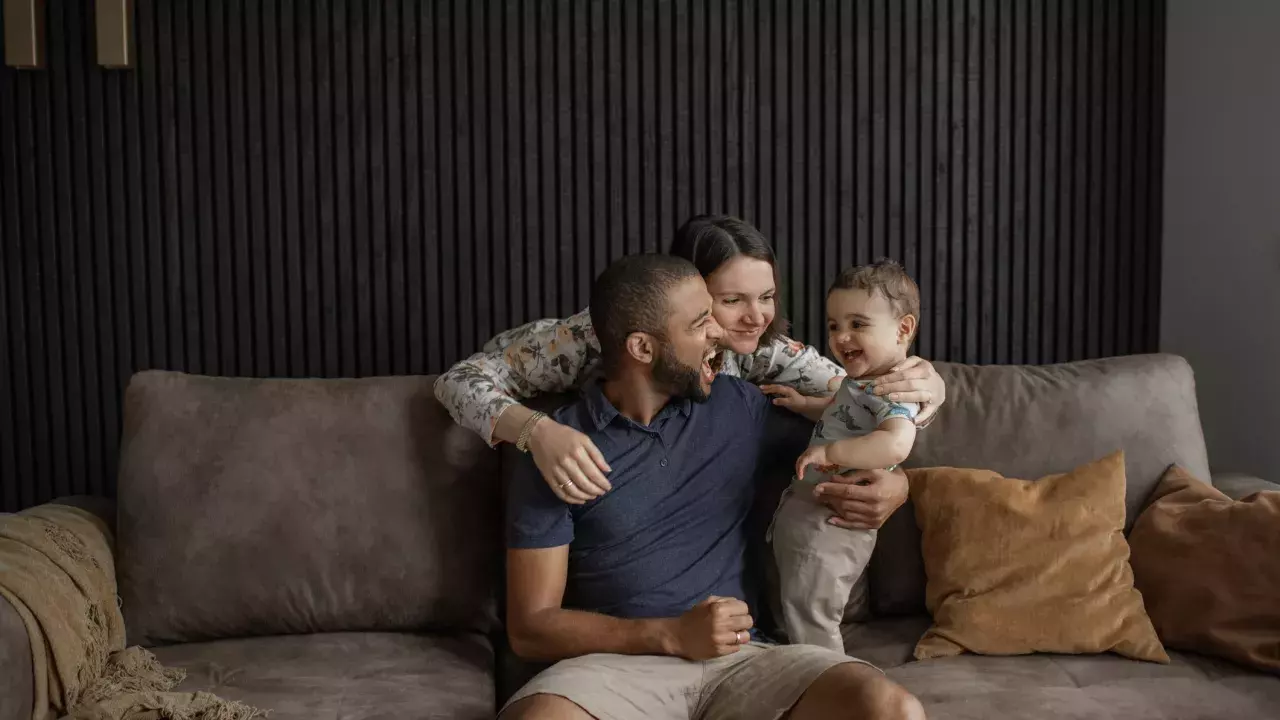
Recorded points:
(907,328)
(642,348)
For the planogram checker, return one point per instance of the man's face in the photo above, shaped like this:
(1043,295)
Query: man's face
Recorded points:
(683,366)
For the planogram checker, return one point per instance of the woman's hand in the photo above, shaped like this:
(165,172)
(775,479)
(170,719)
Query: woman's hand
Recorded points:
(914,381)
(570,463)
(863,499)
(791,399)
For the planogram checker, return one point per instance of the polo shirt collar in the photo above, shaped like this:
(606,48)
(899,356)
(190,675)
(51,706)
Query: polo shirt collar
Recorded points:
(603,412)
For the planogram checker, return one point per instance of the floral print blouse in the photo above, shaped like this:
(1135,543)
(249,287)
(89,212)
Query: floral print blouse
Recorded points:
(554,355)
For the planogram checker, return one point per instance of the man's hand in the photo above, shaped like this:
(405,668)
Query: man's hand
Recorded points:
(713,628)
(570,463)
(864,500)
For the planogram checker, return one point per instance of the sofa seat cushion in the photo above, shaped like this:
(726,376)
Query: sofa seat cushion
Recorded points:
(886,642)
(1044,687)
(345,676)
(1097,687)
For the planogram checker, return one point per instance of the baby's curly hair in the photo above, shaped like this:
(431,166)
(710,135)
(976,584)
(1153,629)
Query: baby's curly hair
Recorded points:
(889,279)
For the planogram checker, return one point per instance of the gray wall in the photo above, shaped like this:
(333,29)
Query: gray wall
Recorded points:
(1221,291)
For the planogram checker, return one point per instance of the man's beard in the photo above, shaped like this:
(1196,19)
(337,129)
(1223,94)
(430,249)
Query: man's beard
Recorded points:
(678,379)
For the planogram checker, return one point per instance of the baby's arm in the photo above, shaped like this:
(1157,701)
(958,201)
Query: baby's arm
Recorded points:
(804,405)
(886,446)
(813,408)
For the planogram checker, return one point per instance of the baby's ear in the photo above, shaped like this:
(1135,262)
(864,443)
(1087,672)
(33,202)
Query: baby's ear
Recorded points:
(907,328)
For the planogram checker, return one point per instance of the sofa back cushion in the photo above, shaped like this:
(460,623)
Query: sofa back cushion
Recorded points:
(1033,421)
(258,507)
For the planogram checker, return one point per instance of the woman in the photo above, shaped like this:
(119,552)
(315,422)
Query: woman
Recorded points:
(483,392)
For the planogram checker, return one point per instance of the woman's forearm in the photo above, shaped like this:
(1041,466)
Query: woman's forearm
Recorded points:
(483,392)
(476,391)
(510,423)
(788,362)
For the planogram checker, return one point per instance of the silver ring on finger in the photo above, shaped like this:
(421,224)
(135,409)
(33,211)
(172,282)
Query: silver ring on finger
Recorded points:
(738,636)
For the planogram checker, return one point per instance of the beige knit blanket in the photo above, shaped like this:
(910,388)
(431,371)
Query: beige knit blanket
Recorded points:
(56,569)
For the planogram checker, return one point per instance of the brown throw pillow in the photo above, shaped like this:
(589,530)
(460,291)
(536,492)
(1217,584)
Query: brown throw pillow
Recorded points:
(1017,566)
(1209,569)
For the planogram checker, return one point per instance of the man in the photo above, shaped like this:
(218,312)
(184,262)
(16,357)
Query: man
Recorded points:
(639,595)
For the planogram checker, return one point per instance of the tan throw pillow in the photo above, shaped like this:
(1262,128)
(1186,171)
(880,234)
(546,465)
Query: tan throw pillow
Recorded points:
(1018,566)
(1209,568)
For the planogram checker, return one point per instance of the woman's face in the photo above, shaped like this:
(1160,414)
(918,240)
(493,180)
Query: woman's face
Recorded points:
(743,302)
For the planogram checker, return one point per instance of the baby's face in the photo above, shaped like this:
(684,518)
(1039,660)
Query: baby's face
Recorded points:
(863,333)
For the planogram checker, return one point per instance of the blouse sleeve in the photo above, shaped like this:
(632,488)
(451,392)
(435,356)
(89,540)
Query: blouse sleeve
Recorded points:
(542,356)
(789,362)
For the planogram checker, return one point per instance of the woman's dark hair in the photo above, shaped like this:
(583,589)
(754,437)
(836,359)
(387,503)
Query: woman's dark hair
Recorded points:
(709,241)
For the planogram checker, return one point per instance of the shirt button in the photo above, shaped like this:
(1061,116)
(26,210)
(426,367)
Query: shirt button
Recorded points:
(663,463)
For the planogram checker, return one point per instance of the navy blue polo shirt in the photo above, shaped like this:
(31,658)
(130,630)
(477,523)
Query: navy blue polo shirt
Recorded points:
(671,531)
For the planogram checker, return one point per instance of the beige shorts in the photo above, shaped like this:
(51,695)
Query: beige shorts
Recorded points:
(759,682)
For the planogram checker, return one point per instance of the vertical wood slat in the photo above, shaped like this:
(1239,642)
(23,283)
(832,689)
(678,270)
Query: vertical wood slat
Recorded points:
(342,188)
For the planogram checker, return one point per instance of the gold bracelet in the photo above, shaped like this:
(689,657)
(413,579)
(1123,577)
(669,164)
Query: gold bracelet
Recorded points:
(526,432)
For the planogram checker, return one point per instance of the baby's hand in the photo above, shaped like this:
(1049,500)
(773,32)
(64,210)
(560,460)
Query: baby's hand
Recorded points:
(815,455)
(810,406)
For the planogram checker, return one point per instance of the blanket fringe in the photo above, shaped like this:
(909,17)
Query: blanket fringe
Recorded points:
(205,706)
(134,670)
(134,681)
(56,568)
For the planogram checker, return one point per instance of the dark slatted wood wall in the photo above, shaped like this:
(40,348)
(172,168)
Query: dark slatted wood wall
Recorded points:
(339,187)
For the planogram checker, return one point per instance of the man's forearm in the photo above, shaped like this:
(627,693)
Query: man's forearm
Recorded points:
(557,634)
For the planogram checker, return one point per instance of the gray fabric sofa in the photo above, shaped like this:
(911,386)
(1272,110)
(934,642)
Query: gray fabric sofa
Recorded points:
(331,549)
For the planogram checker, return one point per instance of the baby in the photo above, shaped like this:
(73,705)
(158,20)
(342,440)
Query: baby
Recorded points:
(872,316)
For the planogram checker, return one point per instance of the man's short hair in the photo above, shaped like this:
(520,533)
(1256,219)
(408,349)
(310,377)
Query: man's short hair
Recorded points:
(631,296)
(886,277)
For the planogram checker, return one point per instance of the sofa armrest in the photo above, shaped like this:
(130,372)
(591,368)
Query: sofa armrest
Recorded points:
(103,508)
(1237,486)
(16,682)
(15,658)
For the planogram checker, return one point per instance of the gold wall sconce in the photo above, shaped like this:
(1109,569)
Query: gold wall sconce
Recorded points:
(114,19)
(24,34)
